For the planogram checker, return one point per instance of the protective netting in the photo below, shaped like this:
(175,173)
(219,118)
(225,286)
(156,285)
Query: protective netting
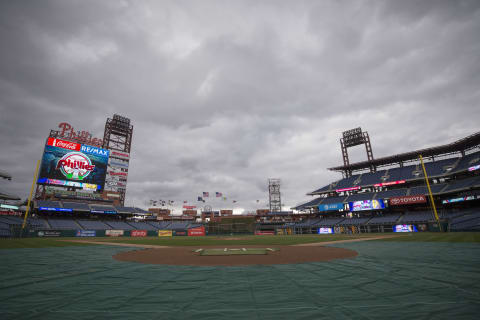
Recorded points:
(391,280)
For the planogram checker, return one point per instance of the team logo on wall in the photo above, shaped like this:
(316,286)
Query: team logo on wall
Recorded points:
(75,166)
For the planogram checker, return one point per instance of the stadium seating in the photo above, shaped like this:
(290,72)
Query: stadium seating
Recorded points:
(329,222)
(48,204)
(354,221)
(439,168)
(469,221)
(467,162)
(160,225)
(420,216)
(346,182)
(142,226)
(77,206)
(463,183)
(97,207)
(63,224)
(125,210)
(386,219)
(359,197)
(119,225)
(387,194)
(368,179)
(93,225)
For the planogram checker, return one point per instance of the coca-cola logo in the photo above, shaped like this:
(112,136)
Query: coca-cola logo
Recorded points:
(63,144)
(66,145)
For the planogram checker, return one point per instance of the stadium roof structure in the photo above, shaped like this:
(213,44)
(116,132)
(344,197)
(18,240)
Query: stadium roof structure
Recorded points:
(7,196)
(461,145)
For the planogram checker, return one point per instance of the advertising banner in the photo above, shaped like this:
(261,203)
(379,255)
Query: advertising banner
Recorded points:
(114,233)
(86,233)
(180,233)
(391,183)
(398,201)
(49,233)
(196,232)
(72,164)
(325,230)
(55,209)
(404,228)
(330,207)
(348,189)
(467,198)
(264,233)
(138,233)
(165,233)
(121,155)
(367,205)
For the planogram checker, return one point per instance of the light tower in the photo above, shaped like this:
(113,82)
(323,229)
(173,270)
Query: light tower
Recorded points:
(274,195)
(118,139)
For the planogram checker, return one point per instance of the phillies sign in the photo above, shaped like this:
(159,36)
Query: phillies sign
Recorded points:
(75,166)
(398,201)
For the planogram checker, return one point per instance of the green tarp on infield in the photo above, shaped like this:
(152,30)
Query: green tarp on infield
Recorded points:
(391,280)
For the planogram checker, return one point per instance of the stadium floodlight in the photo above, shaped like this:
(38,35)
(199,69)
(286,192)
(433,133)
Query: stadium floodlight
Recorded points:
(351,138)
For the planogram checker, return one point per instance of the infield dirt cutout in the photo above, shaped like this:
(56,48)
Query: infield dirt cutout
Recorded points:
(190,256)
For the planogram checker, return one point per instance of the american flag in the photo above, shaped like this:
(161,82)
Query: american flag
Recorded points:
(205,194)
(218,194)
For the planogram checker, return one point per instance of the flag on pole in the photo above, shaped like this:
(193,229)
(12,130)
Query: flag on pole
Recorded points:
(205,194)
(218,194)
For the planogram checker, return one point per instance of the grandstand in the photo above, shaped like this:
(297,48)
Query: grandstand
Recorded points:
(397,185)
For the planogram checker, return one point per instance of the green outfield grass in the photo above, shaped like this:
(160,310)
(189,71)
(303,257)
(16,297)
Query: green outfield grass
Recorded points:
(235,240)
(37,243)
(438,237)
(241,240)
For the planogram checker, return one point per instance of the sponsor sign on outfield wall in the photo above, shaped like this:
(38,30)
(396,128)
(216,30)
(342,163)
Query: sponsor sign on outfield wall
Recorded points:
(398,201)
(165,233)
(86,233)
(196,232)
(49,233)
(404,228)
(114,233)
(264,233)
(325,230)
(138,233)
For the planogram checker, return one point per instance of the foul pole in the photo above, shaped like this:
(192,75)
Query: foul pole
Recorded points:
(30,197)
(430,193)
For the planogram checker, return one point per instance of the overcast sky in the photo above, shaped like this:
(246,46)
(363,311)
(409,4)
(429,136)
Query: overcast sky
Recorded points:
(226,94)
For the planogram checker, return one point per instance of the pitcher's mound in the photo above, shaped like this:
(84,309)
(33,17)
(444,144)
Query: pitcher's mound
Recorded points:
(191,256)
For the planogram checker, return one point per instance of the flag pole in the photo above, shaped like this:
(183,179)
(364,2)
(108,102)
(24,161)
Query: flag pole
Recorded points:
(430,193)
(30,197)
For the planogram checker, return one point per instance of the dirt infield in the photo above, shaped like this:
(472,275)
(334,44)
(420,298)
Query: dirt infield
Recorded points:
(186,256)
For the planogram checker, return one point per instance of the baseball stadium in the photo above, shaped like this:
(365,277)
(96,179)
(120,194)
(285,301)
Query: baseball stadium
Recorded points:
(395,237)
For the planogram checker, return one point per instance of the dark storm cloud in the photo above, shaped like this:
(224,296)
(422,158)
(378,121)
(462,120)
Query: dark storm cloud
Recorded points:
(224,95)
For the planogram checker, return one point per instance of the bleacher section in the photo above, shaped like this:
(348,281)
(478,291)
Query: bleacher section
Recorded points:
(63,224)
(48,204)
(93,225)
(329,222)
(387,219)
(387,194)
(354,221)
(77,206)
(467,161)
(468,221)
(119,225)
(414,217)
(142,226)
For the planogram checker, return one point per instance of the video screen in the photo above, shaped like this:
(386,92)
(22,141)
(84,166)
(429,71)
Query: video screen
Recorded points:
(405,228)
(66,163)
(367,205)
